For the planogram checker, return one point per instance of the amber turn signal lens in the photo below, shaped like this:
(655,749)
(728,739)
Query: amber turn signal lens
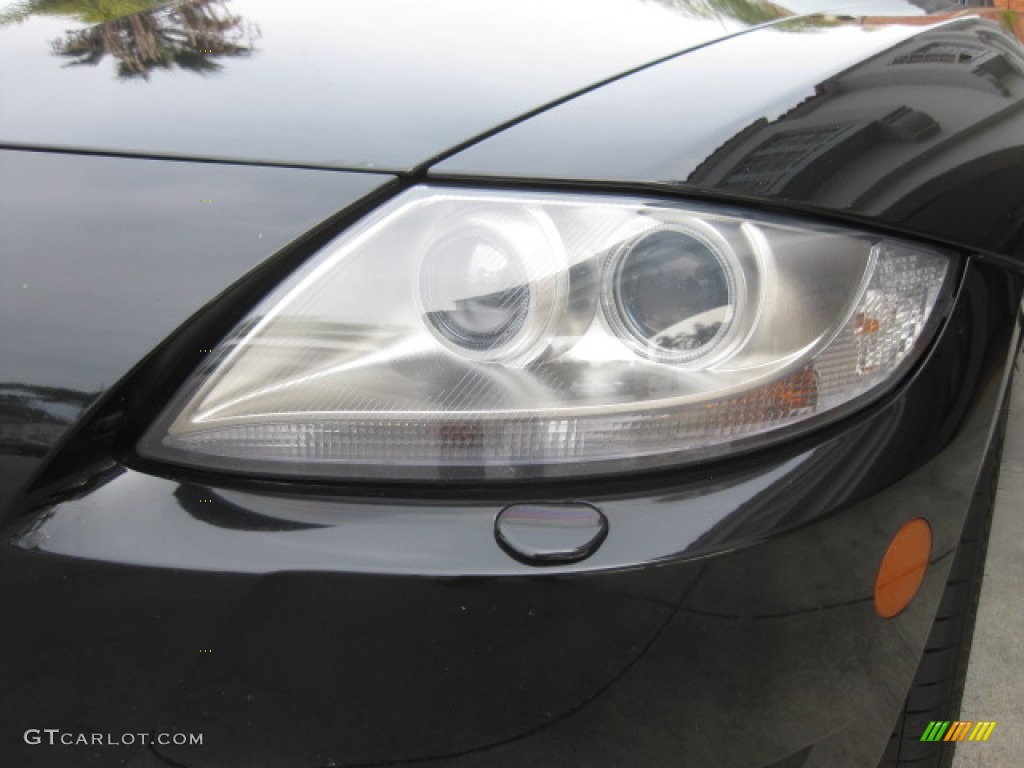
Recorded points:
(903,568)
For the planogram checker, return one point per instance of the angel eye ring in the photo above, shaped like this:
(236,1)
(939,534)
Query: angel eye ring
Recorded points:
(672,294)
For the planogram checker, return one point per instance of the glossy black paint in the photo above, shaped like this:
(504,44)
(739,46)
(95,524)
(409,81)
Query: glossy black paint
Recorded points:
(347,83)
(448,532)
(913,124)
(369,632)
(103,258)
(544,534)
(726,620)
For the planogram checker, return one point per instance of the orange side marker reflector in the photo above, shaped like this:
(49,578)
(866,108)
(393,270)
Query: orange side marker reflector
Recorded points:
(903,568)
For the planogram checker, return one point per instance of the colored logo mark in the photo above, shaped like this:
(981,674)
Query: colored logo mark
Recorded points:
(956,730)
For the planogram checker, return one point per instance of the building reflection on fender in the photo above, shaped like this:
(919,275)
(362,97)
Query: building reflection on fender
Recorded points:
(897,133)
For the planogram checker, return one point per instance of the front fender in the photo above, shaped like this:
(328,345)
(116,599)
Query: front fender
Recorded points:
(914,125)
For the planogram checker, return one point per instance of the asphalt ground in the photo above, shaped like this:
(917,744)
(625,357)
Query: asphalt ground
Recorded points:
(995,675)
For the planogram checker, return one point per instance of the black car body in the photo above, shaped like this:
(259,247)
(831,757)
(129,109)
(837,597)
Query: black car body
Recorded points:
(727,617)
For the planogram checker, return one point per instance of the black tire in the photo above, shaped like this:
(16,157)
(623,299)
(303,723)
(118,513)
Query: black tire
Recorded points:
(937,690)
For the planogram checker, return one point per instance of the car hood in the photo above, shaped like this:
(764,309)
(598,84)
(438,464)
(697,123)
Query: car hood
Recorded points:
(104,257)
(358,84)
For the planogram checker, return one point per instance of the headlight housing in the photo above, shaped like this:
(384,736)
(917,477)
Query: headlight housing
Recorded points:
(470,335)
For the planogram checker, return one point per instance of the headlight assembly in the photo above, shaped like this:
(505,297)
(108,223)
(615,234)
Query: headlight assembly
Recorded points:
(477,334)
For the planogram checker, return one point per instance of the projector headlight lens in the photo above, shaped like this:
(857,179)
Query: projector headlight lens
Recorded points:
(672,294)
(492,282)
(473,335)
(478,290)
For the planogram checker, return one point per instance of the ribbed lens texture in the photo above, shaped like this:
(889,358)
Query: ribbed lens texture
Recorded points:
(479,335)
(888,320)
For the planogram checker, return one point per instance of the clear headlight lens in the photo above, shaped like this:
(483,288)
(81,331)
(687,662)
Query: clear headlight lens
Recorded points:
(474,334)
